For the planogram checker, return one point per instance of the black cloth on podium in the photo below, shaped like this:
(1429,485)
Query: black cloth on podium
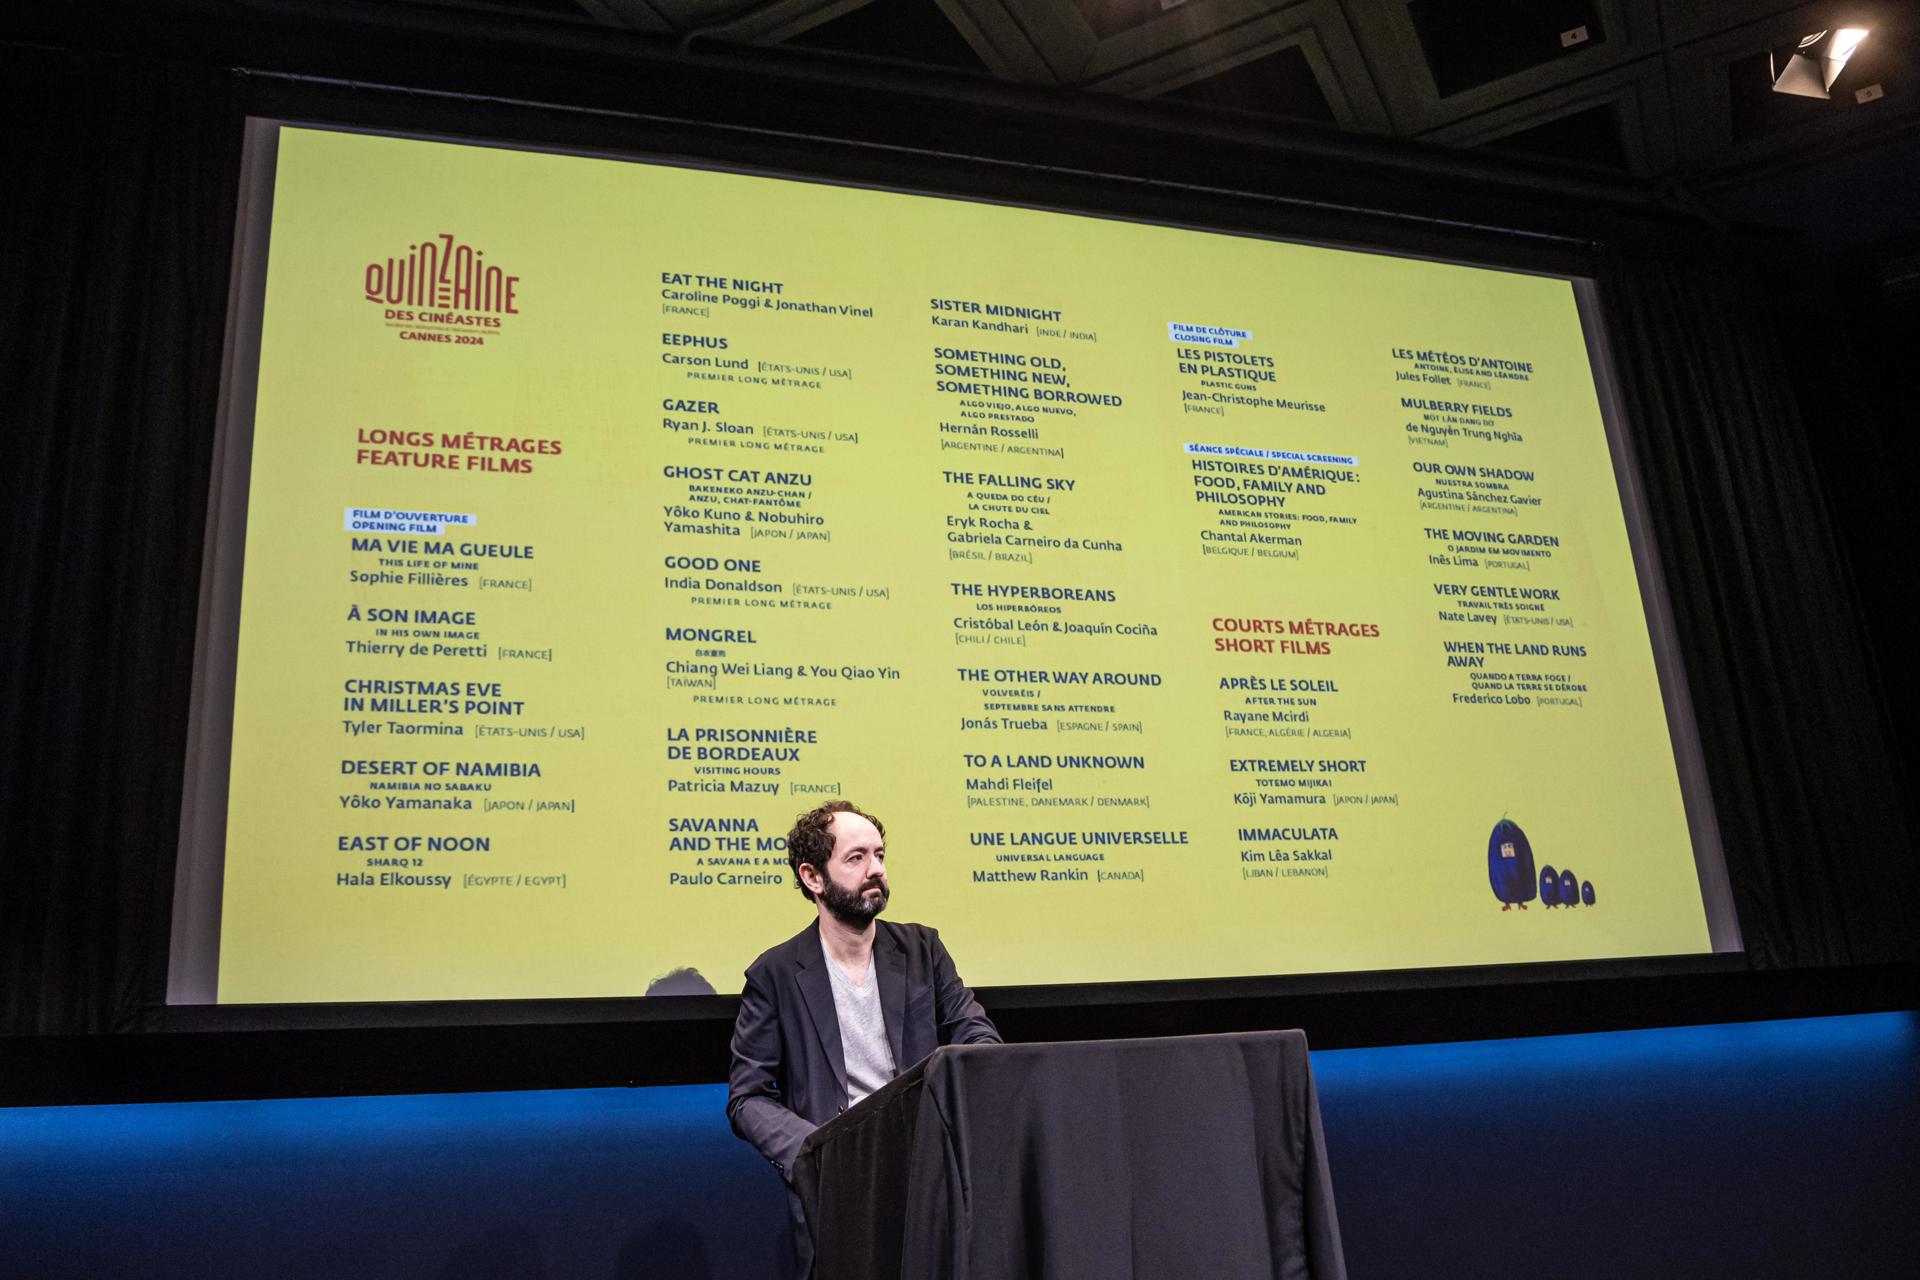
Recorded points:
(1093,1160)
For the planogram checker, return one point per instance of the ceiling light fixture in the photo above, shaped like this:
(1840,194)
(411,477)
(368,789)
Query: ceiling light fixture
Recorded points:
(1810,70)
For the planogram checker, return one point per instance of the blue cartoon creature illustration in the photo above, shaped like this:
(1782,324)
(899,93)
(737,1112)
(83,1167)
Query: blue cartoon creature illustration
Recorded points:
(1586,892)
(1569,889)
(1510,865)
(1550,886)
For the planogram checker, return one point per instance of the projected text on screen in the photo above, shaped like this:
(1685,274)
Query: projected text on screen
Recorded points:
(1188,605)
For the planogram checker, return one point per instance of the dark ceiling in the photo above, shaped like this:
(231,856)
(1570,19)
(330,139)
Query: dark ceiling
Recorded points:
(1646,88)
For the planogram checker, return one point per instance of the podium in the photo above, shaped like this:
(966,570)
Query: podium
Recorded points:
(1091,1160)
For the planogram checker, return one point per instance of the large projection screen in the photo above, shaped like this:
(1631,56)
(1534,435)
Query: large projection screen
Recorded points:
(1189,605)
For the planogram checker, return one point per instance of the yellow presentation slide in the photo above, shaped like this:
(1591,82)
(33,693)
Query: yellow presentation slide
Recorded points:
(1186,605)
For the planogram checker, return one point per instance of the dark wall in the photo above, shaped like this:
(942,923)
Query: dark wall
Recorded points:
(1845,252)
(1762,1149)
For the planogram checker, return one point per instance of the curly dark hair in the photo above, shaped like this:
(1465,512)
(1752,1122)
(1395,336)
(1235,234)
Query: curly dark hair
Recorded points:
(811,840)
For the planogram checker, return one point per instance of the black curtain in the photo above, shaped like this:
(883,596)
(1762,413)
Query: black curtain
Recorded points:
(1810,794)
(117,190)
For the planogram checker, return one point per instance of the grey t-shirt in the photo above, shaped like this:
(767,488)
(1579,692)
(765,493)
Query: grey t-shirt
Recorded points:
(863,1032)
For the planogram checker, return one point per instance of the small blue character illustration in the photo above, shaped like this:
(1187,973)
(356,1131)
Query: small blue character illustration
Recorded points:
(1550,887)
(1586,892)
(1569,889)
(1510,865)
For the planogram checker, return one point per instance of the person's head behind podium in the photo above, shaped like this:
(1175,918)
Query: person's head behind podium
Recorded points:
(839,860)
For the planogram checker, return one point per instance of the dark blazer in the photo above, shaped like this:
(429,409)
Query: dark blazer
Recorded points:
(789,1073)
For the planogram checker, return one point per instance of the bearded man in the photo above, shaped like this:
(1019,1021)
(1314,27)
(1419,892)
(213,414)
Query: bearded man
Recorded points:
(845,1005)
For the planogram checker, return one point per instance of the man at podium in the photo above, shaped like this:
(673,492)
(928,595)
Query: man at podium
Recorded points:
(842,1007)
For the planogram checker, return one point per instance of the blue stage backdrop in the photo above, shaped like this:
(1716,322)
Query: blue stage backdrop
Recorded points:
(1762,1149)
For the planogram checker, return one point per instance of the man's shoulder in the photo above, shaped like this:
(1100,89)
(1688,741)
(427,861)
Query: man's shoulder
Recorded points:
(795,951)
(909,937)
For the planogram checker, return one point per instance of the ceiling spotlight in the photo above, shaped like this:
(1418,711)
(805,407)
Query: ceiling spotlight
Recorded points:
(1810,70)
